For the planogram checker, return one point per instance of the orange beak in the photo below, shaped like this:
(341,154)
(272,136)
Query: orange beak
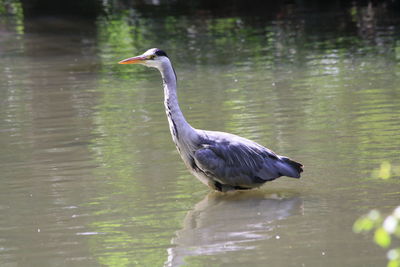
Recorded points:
(132,60)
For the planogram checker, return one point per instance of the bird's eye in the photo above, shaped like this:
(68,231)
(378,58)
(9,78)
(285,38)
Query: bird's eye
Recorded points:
(151,57)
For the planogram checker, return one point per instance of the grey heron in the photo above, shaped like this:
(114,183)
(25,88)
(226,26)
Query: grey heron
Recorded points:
(220,160)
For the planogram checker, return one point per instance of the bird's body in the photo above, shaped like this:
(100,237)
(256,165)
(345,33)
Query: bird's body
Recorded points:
(220,160)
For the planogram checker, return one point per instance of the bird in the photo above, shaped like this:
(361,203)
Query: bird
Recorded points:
(222,161)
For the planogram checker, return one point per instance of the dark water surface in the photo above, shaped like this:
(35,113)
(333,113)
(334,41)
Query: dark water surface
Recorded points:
(89,175)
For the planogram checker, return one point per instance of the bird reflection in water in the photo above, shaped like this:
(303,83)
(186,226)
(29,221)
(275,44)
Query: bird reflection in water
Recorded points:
(229,222)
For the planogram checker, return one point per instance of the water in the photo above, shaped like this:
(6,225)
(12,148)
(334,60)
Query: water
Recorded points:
(89,175)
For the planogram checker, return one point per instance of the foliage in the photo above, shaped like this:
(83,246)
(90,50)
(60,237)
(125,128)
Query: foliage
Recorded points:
(385,228)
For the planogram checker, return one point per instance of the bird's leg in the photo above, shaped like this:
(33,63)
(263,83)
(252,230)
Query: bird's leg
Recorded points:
(224,187)
(215,185)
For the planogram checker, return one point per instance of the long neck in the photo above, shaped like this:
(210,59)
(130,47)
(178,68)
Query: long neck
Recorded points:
(181,131)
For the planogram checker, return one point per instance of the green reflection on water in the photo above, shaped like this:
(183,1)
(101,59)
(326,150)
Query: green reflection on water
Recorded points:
(11,13)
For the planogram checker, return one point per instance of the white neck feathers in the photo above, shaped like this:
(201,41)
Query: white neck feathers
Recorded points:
(181,131)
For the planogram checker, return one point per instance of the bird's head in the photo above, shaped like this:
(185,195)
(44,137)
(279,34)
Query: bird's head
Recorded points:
(153,57)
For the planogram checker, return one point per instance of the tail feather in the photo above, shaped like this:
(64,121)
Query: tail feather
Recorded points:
(291,168)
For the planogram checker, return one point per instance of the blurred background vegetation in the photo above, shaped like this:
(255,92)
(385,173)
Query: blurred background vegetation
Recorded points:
(269,9)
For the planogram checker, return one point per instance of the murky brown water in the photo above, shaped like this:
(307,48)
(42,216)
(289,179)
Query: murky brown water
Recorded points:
(89,175)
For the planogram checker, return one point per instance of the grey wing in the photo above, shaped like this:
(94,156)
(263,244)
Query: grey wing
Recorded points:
(237,163)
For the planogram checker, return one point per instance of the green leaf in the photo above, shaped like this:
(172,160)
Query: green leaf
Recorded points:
(368,222)
(363,224)
(382,238)
(393,263)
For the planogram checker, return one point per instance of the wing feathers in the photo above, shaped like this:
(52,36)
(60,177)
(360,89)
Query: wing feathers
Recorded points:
(242,162)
